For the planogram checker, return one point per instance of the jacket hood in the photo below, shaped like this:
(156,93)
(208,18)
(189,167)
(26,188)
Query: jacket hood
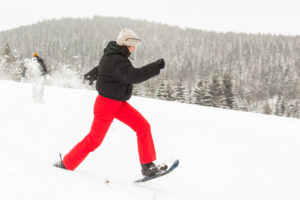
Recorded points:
(112,48)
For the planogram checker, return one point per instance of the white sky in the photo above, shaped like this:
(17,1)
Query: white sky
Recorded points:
(255,16)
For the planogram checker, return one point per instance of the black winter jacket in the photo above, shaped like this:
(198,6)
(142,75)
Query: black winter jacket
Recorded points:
(44,70)
(116,75)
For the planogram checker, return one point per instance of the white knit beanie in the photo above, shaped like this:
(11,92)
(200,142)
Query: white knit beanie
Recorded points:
(128,38)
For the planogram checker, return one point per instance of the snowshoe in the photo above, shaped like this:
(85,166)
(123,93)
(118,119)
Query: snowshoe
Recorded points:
(164,171)
(59,163)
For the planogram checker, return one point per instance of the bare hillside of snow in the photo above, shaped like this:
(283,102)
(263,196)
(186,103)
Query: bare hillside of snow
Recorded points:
(223,154)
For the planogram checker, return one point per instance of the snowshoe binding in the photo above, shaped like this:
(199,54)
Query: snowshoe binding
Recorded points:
(151,169)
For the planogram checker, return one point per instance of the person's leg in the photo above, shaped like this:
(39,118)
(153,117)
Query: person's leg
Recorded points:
(41,89)
(130,116)
(34,86)
(104,112)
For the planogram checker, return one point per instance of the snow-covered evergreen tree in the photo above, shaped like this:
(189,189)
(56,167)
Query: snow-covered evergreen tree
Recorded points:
(280,107)
(198,93)
(214,95)
(266,108)
(136,91)
(162,90)
(180,92)
(150,89)
(228,91)
(10,66)
(9,57)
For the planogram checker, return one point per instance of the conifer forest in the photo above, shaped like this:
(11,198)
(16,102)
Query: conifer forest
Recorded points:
(249,72)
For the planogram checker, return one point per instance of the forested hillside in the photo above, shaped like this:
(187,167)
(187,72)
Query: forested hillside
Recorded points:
(258,73)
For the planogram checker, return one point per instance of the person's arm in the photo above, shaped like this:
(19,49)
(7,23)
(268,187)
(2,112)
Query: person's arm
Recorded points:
(126,73)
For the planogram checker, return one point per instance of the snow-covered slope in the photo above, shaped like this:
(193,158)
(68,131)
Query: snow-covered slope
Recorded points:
(223,154)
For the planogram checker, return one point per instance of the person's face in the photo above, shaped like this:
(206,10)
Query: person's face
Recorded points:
(131,49)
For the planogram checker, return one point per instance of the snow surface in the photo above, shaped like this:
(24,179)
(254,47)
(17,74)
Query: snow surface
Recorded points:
(223,154)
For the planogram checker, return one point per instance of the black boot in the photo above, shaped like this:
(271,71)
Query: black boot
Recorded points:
(150,169)
(60,163)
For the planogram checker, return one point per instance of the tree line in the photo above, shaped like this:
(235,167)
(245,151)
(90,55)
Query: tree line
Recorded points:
(249,72)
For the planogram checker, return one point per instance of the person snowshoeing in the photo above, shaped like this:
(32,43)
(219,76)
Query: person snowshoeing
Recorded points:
(115,76)
(35,72)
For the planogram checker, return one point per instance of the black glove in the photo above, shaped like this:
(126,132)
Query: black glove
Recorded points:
(89,79)
(91,76)
(161,63)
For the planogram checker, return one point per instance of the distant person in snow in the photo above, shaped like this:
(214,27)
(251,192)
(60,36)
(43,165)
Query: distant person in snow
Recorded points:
(115,77)
(35,72)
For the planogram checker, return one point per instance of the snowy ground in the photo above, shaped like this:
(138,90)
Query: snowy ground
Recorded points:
(223,154)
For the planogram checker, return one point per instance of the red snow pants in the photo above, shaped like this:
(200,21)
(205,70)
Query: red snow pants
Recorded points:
(105,110)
